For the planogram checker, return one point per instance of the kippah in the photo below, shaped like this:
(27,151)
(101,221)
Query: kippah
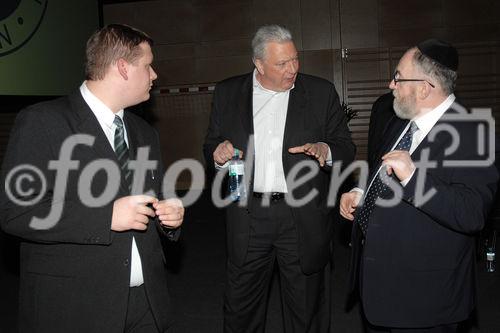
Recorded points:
(440,51)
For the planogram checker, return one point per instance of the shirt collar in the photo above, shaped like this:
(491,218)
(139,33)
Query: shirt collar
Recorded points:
(429,119)
(100,110)
(257,86)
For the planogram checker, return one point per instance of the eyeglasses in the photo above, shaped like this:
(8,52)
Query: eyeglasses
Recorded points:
(396,80)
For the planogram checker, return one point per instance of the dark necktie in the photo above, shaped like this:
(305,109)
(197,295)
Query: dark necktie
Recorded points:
(121,150)
(379,184)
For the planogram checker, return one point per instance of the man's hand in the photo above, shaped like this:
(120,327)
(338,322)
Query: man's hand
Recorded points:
(348,203)
(170,212)
(399,162)
(132,213)
(224,152)
(318,150)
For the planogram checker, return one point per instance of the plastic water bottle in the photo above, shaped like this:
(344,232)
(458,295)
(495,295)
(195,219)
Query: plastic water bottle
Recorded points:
(236,172)
(490,253)
(490,260)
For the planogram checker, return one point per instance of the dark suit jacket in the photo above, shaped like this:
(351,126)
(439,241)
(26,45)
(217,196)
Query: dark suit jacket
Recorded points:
(313,115)
(417,261)
(75,276)
(382,117)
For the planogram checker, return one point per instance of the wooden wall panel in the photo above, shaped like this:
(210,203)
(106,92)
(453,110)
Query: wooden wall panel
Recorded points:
(410,14)
(283,12)
(226,21)
(358,23)
(367,75)
(191,34)
(316,25)
(182,121)
(318,63)
(478,85)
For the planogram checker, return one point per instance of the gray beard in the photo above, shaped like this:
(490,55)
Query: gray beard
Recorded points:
(403,111)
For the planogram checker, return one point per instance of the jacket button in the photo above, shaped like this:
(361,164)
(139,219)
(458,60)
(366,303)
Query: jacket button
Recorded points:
(125,262)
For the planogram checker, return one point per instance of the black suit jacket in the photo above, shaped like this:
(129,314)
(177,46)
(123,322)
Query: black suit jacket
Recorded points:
(382,118)
(417,261)
(75,275)
(313,115)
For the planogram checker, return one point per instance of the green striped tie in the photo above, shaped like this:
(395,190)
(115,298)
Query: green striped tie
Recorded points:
(121,150)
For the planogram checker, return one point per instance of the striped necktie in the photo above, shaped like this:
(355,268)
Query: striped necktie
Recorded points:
(121,150)
(379,184)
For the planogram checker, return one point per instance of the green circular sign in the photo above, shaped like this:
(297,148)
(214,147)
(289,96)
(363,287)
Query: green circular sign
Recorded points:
(19,21)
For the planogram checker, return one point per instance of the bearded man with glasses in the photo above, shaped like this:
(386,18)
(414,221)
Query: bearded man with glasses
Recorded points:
(413,254)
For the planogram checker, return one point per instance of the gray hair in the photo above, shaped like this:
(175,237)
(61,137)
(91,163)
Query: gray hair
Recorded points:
(267,34)
(444,76)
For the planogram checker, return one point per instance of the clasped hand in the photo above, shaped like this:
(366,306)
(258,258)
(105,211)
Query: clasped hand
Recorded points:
(133,212)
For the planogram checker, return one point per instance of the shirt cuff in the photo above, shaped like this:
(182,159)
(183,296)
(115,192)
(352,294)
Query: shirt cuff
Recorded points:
(357,189)
(220,167)
(329,158)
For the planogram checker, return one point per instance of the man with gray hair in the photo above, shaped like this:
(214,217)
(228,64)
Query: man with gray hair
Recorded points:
(413,258)
(292,119)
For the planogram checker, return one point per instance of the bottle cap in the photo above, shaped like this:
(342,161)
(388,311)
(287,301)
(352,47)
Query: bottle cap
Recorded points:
(236,152)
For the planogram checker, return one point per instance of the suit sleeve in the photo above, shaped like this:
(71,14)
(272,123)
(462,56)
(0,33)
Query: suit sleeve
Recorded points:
(31,146)
(170,234)
(375,131)
(214,136)
(337,135)
(381,115)
(462,195)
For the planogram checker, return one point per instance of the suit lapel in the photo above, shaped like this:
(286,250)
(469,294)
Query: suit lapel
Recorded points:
(245,105)
(135,140)
(133,136)
(391,134)
(87,124)
(296,111)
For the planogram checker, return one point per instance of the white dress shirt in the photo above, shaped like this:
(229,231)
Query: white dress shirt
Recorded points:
(106,118)
(427,121)
(269,117)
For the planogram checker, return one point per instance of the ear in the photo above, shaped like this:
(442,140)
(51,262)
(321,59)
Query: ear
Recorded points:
(122,66)
(424,90)
(259,65)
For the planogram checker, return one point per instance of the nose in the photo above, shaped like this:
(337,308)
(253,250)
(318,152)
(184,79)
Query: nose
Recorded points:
(293,66)
(392,85)
(152,74)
